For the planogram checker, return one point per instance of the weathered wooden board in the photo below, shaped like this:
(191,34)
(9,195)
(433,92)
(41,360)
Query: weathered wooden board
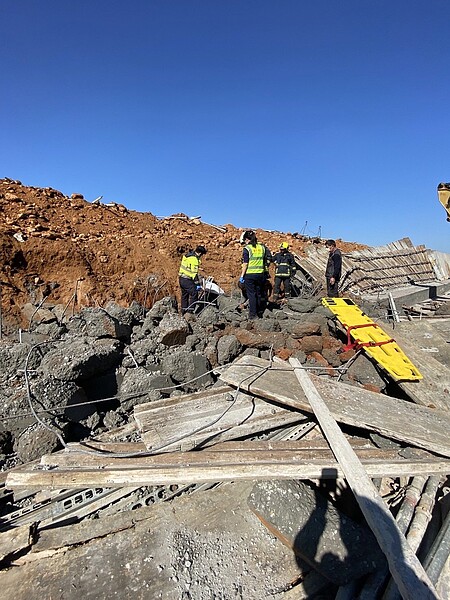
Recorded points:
(209,466)
(397,419)
(222,454)
(434,389)
(316,443)
(204,418)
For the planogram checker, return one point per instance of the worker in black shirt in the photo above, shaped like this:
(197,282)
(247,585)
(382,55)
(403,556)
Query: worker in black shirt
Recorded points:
(255,257)
(333,270)
(284,269)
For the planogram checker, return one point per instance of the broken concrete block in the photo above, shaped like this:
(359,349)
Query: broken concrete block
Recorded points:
(37,315)
(209,316)
(145,384)
(34,442)
(302,329)
(335,545)
(228,347)
(81,359)
(311,343)
(364,371)
(185,367)
(267,325)
(301,305)
(98,323)
(161,307)
(173,330)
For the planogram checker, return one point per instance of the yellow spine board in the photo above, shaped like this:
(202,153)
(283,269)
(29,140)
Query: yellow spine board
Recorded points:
(367,334)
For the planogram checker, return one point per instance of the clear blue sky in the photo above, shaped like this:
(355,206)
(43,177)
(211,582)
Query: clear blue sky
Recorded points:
(252,112)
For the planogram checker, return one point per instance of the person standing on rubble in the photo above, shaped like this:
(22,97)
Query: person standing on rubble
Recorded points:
(333,269)
(285,267)
(255,258)
(188,278)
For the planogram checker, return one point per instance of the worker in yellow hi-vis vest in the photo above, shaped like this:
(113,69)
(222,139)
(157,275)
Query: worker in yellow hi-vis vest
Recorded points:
(188,278)
(255,258)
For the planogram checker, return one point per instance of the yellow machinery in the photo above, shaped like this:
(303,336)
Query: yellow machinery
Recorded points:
(443,191)
(364,333)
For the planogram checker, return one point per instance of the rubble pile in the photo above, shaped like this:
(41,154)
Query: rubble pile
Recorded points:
(87,373)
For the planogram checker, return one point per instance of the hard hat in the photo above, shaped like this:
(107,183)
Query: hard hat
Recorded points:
(200,250)
(284,245)
(242,237)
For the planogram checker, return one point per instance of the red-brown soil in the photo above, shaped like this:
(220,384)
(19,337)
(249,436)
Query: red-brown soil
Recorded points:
(49,242)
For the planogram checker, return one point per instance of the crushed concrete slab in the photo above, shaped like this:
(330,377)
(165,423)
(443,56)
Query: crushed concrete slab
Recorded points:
(206,545)
(335,545)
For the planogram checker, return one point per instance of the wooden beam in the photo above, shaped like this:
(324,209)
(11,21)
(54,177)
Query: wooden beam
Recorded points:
(405,567)
(207,466)
(208,417)
(392,417)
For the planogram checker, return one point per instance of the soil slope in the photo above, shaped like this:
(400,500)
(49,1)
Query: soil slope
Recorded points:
(65,250)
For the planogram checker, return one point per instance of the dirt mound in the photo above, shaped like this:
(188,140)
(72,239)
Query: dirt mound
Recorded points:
(70,251)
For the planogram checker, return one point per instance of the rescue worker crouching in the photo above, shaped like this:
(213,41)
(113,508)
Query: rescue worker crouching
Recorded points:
(188,278)
(285,268)
(255,258)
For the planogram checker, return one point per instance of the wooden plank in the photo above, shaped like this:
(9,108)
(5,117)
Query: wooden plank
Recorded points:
(174,400)
(206,467)
(203,419)
(277,453)
(392,417)
(405,567)
(317,443)
(433,390)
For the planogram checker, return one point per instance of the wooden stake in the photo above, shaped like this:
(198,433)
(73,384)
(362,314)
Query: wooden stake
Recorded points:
(404,565)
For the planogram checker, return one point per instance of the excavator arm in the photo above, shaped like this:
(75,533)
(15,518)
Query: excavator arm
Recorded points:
(443,191)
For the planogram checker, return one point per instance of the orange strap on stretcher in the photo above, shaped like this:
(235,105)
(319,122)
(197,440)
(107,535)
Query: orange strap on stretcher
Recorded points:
(356,344)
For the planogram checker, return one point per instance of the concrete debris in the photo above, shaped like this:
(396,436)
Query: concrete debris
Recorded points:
(301,517)
(105,363)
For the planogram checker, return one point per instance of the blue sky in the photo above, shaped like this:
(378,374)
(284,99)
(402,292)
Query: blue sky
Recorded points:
(258,113)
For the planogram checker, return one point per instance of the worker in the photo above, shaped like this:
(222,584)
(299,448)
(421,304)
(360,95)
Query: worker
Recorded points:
(255,257)
(284,269)
(188,278)
(333,269)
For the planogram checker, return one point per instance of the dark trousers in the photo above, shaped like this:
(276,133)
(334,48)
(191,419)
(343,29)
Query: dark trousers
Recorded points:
(255,288)
(189,294)
(281,281)
(332,289)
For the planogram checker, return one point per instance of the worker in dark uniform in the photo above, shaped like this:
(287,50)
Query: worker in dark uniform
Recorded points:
(255,257)
(333,269)
(188,278)
(284,269)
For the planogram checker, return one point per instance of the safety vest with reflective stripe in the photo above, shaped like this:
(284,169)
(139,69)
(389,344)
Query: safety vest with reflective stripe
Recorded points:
(189,265)
(255,259)
(285,265)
